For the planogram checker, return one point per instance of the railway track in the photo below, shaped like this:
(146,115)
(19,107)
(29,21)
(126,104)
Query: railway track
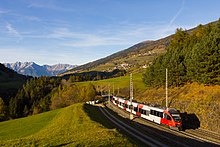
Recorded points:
(133,132)
(204,135)
(197,137)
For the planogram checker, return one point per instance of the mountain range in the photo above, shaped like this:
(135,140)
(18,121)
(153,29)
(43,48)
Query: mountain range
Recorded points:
(35,70)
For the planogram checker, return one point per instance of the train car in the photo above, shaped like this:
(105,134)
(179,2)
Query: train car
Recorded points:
(170,117)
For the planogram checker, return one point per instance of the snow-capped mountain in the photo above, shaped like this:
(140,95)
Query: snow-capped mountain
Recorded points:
(35,70)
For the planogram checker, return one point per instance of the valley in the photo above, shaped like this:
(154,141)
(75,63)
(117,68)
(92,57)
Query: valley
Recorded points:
(54,105)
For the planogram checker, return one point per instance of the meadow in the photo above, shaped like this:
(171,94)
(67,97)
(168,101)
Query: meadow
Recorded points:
(76,125)
(119,85)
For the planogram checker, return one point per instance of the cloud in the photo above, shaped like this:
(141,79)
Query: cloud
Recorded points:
(125,35)
(12,31)
(94,41)
(3,11)
(178,13)
(30,18)
(49,4)
(78,39)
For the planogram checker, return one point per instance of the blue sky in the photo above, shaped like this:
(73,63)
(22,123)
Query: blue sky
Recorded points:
(81,31)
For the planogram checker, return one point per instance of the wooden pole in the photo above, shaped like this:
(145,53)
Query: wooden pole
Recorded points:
(131,96)
(166,88)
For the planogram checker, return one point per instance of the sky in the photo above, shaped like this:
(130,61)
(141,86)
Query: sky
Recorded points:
(80,31)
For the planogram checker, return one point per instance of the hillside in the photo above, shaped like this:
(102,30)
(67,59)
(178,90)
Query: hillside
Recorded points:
(72,126)
(190,57)
(139,55)
(192,60)
(35,70)
(10,82)
(198,100)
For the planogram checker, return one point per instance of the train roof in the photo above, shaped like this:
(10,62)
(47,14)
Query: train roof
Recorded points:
(172,110)
(147,105)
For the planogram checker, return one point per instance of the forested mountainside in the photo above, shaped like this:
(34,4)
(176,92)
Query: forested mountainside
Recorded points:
(191,57)
(10,82)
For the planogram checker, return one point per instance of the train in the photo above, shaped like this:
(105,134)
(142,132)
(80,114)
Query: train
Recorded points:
(169,117)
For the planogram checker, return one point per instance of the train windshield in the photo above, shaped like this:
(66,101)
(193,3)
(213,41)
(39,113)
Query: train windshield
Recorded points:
(176,117)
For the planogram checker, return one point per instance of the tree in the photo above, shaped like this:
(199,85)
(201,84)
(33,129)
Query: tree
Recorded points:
(25,111)
(206,58)
(2,107)
(192,56)
(90,92)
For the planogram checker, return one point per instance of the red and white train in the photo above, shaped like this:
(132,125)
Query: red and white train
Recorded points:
(170,117)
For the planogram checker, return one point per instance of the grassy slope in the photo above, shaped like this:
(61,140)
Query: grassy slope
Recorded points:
(119,82)
(201,100)
(74,125)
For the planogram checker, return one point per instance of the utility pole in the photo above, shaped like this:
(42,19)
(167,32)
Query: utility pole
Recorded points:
(166,88)
(131,96)
(109,94)
(113,89)
(118,91)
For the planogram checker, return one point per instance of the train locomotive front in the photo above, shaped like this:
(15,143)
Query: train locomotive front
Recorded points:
(171,118)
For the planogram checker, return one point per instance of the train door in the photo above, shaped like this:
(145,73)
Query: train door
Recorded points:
(167,120)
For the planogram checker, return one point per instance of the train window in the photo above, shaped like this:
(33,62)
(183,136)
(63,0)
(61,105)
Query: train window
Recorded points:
(147,112)
(144,112)
(153,112)
(135,109)
(161,114)
(140,110)
(156,113)
(167,117)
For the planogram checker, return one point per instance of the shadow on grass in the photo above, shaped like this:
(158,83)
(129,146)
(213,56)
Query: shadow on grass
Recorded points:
(63,144)
(95,114)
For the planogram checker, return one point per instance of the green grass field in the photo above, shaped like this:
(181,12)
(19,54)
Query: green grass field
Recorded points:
(121,83)
(76,125)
